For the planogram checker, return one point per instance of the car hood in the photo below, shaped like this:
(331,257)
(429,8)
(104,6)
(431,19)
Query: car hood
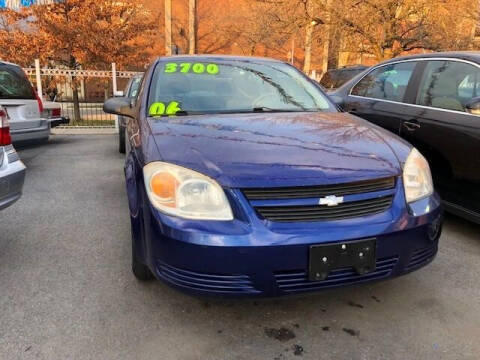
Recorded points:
(276,149)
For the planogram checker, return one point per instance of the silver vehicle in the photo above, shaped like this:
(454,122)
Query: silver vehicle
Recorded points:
(12,170)
(22,104)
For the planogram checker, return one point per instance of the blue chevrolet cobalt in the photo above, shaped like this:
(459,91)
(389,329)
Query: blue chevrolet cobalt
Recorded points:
(243,179)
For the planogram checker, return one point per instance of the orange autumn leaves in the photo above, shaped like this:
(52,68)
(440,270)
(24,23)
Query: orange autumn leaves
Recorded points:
(92,33)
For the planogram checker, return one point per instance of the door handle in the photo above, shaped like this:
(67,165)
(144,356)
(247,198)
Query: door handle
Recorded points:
(412,125)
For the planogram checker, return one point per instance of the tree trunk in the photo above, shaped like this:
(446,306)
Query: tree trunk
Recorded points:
(308,48)
(327,40)
(192,27)
(76,103)
(308,39)
(168,27)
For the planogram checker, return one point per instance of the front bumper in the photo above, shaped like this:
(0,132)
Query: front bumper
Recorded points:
(12,177)
(237,259)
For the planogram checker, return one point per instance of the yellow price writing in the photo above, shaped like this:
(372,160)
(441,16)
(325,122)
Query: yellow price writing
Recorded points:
(160,109)
(197,68)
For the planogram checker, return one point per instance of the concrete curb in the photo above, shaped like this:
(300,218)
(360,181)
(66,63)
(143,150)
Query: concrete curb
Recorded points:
(83,131)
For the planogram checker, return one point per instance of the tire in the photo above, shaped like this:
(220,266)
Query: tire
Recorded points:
(139,269)
(121,140)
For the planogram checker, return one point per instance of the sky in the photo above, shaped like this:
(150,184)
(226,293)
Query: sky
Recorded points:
(15,4)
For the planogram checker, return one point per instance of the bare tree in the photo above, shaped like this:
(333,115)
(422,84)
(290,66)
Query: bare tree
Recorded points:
(388,28)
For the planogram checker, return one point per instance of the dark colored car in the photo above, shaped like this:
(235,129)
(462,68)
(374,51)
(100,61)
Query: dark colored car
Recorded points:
(130,92)
(243,179)
(335,78)
(433,101)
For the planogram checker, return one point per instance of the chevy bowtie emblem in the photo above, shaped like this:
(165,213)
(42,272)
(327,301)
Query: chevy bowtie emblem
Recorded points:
(331,200)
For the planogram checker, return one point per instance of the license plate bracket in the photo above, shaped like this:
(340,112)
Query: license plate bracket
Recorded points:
(361,255)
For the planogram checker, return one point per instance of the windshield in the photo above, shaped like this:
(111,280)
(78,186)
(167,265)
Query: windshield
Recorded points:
(231,87)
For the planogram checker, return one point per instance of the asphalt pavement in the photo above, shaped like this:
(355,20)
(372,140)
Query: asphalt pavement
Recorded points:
(66,290)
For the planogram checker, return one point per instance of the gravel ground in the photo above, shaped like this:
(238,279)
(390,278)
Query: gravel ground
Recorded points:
(66,291)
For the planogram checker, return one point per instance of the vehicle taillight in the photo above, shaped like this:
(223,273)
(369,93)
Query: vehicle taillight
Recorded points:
(40,104)
(5,138)
(56,112)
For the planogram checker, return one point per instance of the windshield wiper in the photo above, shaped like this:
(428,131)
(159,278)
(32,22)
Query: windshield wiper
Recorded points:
(268,109)
(178,113)
(261,109)
(182,113)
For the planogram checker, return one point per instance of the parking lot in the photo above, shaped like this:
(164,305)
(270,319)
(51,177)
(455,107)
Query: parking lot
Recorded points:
(67,291)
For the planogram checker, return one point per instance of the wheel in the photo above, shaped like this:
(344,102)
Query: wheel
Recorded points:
(139,269)
(121,140)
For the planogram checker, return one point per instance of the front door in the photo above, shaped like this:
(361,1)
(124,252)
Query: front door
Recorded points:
(447,135)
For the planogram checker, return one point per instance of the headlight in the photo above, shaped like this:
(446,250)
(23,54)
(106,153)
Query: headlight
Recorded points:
(417,178)
(185,193)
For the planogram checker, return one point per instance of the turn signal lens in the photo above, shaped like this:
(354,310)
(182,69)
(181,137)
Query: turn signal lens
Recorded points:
(185,193)
(164,185)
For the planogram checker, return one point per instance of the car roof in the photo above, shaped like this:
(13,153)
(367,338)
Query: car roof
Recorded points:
(208,57)
(350,67)
(463,55)
(8,63)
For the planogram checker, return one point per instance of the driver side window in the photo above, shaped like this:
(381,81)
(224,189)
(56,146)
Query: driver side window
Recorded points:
(388,82)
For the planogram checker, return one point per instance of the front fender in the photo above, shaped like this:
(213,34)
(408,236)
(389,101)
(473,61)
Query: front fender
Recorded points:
(131,180)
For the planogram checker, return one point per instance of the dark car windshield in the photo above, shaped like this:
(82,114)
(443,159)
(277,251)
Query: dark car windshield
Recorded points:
(335,78)
(14,84)
(213,86)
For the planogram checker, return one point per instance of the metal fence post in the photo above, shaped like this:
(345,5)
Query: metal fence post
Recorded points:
(38,78)
(114,86)
(114,79)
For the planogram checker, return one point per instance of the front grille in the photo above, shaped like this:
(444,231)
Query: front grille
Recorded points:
(318,213)
(222,284)
(297,281)
(305,192)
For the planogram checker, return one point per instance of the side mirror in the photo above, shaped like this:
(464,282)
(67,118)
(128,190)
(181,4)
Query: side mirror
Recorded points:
(473,106)
(118,93)
(119,106)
